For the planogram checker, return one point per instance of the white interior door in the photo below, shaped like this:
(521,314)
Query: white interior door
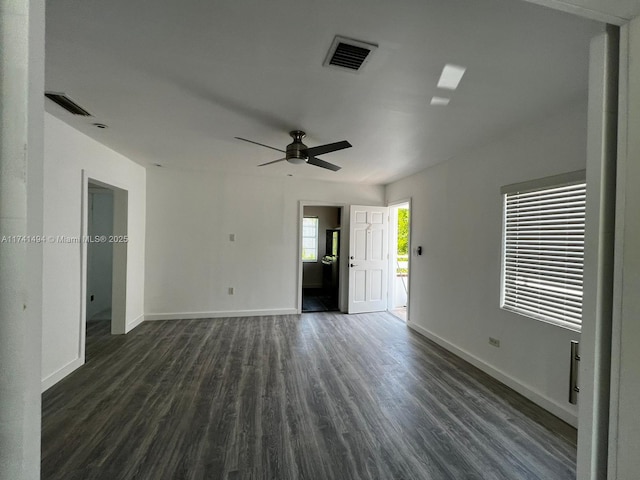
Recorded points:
(368,258)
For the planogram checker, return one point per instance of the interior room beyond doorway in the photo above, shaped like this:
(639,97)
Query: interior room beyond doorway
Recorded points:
(320,258)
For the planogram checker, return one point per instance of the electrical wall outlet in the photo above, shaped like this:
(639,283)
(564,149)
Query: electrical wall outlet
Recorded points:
(494,342)
(230,290)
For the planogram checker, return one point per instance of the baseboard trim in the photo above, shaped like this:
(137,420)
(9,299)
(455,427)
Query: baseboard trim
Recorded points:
(58,375)
(523,389)
(131,325)
(219,314)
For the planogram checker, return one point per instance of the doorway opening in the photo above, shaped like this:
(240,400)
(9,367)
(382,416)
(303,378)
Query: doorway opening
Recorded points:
(99,256)
(399,248)
(320,256)
(99,264)
(104,265)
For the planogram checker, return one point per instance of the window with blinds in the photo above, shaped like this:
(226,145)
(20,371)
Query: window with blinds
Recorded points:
(543,253)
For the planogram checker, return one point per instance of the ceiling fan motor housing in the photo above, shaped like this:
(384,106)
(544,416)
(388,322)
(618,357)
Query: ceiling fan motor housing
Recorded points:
(297,151)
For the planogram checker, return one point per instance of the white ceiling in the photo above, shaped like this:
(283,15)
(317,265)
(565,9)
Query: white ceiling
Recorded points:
(176,81)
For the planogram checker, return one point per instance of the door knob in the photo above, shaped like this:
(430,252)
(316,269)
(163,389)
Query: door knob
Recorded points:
(352,265)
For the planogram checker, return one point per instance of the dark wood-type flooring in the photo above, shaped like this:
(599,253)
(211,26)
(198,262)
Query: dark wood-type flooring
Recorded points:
(319,300)
(316,396)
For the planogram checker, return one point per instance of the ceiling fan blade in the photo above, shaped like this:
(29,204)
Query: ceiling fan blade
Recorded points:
(274,161)
(328,148)
(261,144)
(321,163)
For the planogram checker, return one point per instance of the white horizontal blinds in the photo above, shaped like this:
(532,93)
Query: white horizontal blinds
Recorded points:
(310,239)
(544,253)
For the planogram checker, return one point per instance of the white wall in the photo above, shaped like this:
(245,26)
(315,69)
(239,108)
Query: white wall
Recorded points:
(67,153)
(328,218)
(99,254)
(455,285)
(191,262)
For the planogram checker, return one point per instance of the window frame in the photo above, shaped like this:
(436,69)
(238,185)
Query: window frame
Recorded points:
(547,183)
(316,237)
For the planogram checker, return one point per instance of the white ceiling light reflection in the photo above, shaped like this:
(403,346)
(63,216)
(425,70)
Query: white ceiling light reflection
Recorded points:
(440,101)
(451,76)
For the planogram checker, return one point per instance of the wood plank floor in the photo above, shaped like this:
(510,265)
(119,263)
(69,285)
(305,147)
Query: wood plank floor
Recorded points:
(316,396)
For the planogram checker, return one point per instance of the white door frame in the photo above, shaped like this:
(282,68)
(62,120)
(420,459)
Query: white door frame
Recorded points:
(343,253)
(623,421)
(596,335)
(391,205)
(119,283)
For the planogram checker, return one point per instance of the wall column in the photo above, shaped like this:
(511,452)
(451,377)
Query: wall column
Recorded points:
(21,173)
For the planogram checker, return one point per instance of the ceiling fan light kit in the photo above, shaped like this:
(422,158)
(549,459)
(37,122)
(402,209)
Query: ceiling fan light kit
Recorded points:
(297,152)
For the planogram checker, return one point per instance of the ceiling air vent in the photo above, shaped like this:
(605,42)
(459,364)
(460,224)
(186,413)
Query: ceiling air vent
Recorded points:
(65,102)
(348,54)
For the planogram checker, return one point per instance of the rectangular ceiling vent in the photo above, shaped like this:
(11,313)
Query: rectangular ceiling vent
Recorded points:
(65,102)
(348,54)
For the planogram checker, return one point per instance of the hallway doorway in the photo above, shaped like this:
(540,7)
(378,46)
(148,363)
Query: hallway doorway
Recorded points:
(99,283)
(104,261)
(99,254)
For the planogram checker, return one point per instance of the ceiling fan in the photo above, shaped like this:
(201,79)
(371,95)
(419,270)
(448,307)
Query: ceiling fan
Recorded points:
(298,152)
